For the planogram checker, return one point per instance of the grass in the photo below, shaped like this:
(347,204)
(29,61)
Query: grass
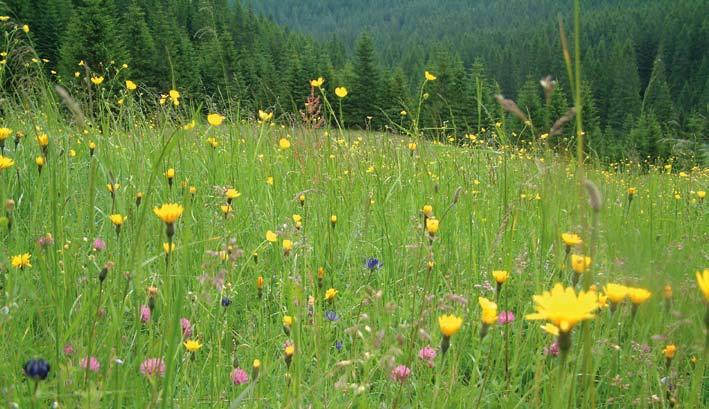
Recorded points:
(501,208)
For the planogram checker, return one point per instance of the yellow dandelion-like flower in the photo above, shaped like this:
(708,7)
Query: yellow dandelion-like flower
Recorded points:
(21,261)
(703,282)
(169,212)
(341,92)
(449,324)
(6,162)
(264,116)
(638,295)
(489,311)
(97,80)
(429,76)
(192,346)
(215,119)
(131,86)
(330,294)
(271,236)
(563,307)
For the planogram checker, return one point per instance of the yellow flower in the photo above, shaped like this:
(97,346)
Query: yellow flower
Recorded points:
(330,294)
(192,345)
(215,119)
(287,246)
(318,82)
(489,311)
(602,301)
(6,162)
(632,191)
(256,364)
(341,92)
(42,140)
(432,226)
(97,80)
(571,239)
(22,261)
(669,351)
(429,76)
(333,219)
(232,193)
(667,291)
(501,276)
(703,282)
(287,320)
(297,218)
(190,125)
(264,116)
(638,295)
(563,308)
(175,97)
(271,236)
(427,210)
(580,263)
(168,247)
(701,194)
(226,209)
(403,113)
(269,180)
(616,292)
(412,146)
(26,28)
(5,133)
(290,350)
(130,85)
(170,173)
(117,219)
(449,324)
(169,213)
(283,144)
(40,161)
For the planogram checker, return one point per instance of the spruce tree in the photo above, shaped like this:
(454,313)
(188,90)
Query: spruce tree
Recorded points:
(366,86)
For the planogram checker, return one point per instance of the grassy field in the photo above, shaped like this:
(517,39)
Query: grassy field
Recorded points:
(116,296)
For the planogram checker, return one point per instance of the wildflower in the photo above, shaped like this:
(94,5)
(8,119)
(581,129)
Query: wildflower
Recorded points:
(428,355)
(669,351)
(4,134)
(429,76)
(570,240)
(505,317)
(372,264)
(287,323)
(400,373)
(91,364)
(138,199)
(169,213)
(170,175)
(98,245)
(226,209)
(239,377)
(330,294)
(264,116)
(341,92)
(289,351)
(192,346)
(231,194)
(40,161)
(432,227)
(168,248)
(271,236)
(331,315)
(403,113)
(703,282)
(269,180)
(427,211)
(145,313)
(333,220)
(564,309)
(153,367)
(552,349)
(449,325)
(36,369)
(43,140)
(117,220)
(317,83)
(489,314)
(580,263)
(68,350)
(213,142)
(638,296)
(175,97)
(186,327)
(215,119)
(631,193)
(287,246)
(501,277)
(26,28)
(97,80)
(301,199)
(226,302)
(701,195)
(283,144)
(616,294)
(130,85)
(22,261)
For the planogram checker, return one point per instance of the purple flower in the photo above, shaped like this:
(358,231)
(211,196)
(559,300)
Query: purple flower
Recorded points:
(226,302)
(505,317)
(552,349)
(186,327)
(331,315)
(372,263)
(428,355)
(400,373)
(338,345)
(99,244)
(68,350)
(145,313)
(239,376)
(153,366)
(45,241)
(90,363)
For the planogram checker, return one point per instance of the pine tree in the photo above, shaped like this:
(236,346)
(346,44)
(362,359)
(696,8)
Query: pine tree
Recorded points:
(92,36)
(366,86)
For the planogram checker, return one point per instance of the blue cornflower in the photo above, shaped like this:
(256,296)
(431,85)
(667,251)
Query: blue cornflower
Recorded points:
(36,369)
(338,345)
(331,315)
(226,302)
(373,263)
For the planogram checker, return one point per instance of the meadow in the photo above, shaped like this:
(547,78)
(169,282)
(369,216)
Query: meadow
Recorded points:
(180,260)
